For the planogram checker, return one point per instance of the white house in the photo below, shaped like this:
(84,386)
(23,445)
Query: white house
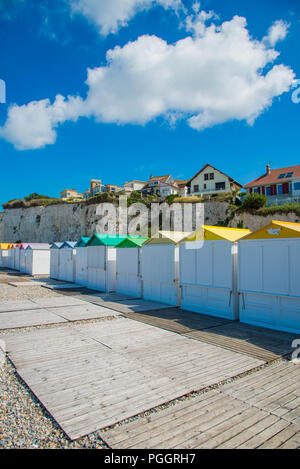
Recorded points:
(134,185)
(211,181)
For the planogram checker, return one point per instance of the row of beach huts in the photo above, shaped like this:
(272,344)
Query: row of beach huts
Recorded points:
(225,272)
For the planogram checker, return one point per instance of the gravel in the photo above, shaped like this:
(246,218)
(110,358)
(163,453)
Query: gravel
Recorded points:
(25,423)
(10,293)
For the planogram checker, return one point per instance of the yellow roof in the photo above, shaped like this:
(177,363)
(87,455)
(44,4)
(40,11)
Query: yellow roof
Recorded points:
(276,229)
(7,245)
(209,233)
(167,237)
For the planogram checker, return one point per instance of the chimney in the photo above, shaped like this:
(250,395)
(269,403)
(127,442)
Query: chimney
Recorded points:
(268,167)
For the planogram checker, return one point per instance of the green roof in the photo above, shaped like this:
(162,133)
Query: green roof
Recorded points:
(82,242)
(106,240)
(133,242)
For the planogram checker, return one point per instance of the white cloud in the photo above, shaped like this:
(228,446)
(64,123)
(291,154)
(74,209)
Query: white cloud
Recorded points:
(33,125)
(277,32)
(196,22)
(207,80)
(111,15)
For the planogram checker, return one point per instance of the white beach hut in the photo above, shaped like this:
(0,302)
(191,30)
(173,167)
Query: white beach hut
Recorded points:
(268,277)
(37,259)
(67,262)
(54,260)
(81,261)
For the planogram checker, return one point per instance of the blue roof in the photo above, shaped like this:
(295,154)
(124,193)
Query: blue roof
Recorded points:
(82,242)
(68,244)
(56,245)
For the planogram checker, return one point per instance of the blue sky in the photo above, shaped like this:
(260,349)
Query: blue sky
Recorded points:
(47,48)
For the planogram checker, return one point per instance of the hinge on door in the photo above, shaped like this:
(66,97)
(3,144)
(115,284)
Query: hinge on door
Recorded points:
(243,299)
(230,297)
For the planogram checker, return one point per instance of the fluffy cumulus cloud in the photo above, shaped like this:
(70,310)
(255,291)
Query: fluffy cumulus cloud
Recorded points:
(277,32)
(33,125)
(207,78)
(111,15)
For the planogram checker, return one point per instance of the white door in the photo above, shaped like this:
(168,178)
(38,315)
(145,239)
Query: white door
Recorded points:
(29,261)
(269,283)
(101,268)
(207,278)
(40,262)
(159,268)
(54,263)
(81,266)
(17,258)
(4,258)
(67,264)
(10,259)
(23,260)
(128,275)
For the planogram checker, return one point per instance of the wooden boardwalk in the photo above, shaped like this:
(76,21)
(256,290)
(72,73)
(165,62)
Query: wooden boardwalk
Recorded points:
(263,344)
(275,390)
(134,305)
(253,412)
(93,376)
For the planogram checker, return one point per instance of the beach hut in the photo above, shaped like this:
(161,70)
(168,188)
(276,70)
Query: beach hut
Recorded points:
(167,237)
(160,267)
(214,233)
(22,257)
(128,267)
(208,271)
(101,262)
(131,242)
(54,260)
(81,261)
(37,260)
(11,258)
(4,254)
(82,242)
(17,257)
(67,261)
(268,277)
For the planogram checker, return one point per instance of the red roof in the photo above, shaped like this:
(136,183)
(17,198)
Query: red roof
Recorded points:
(273,176)
(160,178)
(180,182)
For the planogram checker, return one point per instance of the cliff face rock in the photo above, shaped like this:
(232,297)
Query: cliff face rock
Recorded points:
(71,221)
(255,222)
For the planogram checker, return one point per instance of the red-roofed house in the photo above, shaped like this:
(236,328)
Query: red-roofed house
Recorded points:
(279,183)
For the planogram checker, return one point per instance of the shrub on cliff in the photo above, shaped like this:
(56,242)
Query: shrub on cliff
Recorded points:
(254,202)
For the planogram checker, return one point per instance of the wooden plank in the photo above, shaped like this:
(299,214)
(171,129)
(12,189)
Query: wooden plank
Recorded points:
(282,438)
(139,305)
(265,435)
(275,389)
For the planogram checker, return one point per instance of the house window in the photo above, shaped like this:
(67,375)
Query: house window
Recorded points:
(211,176)
(220,186)
(196,188)
(206,177)
(297,186)
(279,189)
(205,186)
(268,191)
